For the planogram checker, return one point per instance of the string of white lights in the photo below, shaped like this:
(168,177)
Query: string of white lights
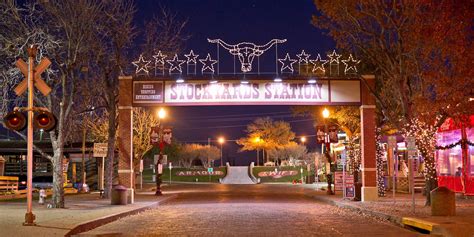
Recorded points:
(287,64)
(175,64)
(208,64)
(246,52)
(142,65)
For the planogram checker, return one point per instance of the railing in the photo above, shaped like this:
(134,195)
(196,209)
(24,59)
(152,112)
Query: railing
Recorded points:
(8,183)
(39,168)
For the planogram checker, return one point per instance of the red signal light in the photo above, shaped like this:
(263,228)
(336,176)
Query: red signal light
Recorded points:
(15,120)
(44,120)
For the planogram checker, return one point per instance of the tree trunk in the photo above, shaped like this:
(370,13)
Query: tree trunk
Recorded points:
(57,162)
(58,187)
(109,163)
(430,176)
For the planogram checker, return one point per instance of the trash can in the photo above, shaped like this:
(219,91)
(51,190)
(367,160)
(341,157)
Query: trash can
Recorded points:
(119,195)
(443,202)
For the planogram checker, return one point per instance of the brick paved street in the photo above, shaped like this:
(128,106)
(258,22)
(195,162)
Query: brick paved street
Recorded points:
(247,210)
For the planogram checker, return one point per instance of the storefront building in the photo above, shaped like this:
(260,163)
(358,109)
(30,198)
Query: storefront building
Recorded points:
(455,156)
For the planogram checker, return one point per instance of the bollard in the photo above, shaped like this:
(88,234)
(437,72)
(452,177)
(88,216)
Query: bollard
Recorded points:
(42,196)
(443,202)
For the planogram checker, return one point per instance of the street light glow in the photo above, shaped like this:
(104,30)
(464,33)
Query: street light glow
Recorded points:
(257,140)
(303,139)
(326,113)
(221,140)
(162,113)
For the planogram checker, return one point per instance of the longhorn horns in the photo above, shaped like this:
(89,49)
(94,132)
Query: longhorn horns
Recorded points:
(222,43)
(236,46)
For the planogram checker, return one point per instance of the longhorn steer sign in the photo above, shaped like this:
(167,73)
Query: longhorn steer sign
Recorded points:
(246,51)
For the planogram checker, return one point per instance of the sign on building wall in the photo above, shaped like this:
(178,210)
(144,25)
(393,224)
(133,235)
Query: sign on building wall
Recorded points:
(291,92)
(145,92)
(199,173)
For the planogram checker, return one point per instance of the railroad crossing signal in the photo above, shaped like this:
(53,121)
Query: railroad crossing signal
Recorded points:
(41,118)
(38,82)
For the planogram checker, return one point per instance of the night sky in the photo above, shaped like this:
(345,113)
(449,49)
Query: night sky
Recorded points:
(235,21)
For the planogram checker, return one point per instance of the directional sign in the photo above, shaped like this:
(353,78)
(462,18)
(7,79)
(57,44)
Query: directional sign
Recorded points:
(39,83)
(100,150)
(411,147)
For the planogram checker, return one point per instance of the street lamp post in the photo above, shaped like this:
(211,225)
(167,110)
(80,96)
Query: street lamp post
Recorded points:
(221,141)
(84,187)
(161,115)
(326,151)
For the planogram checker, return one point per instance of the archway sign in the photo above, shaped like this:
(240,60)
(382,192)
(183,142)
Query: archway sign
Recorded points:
(247,74)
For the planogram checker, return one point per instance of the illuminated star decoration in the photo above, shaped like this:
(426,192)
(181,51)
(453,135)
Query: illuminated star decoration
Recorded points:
(159,58)
(175,64)
(351,65)
(318,64)
(141,64)
(303,57)
(191,57)
(159,61)
(287,63)
(208,64)
(334,57)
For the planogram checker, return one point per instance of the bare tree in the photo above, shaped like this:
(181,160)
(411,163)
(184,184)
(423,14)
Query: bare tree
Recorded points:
(164,32)
(62,31)
(110,55)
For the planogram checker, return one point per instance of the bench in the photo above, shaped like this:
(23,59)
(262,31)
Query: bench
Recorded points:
(8,183)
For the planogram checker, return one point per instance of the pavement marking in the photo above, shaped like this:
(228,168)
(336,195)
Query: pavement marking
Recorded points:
(419,223)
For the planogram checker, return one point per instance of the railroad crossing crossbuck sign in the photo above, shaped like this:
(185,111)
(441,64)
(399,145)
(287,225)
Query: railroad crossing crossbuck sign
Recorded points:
(39,83)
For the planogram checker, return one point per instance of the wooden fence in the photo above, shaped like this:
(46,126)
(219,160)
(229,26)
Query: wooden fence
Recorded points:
(8,183)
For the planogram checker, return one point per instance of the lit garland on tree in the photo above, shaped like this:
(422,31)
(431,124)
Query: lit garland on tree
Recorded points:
(353,153)
(425,137)
(379,172)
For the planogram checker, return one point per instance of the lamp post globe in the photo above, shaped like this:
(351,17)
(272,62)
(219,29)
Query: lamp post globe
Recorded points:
(326,113)
(161,113)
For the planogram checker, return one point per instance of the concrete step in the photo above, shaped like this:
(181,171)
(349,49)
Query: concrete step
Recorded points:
(237,175)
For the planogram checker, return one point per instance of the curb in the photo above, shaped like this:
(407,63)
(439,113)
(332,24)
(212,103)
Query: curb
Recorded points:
(89,225)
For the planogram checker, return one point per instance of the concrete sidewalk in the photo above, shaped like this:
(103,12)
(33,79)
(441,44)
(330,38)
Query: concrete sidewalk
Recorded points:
(82,212)
(399,211)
